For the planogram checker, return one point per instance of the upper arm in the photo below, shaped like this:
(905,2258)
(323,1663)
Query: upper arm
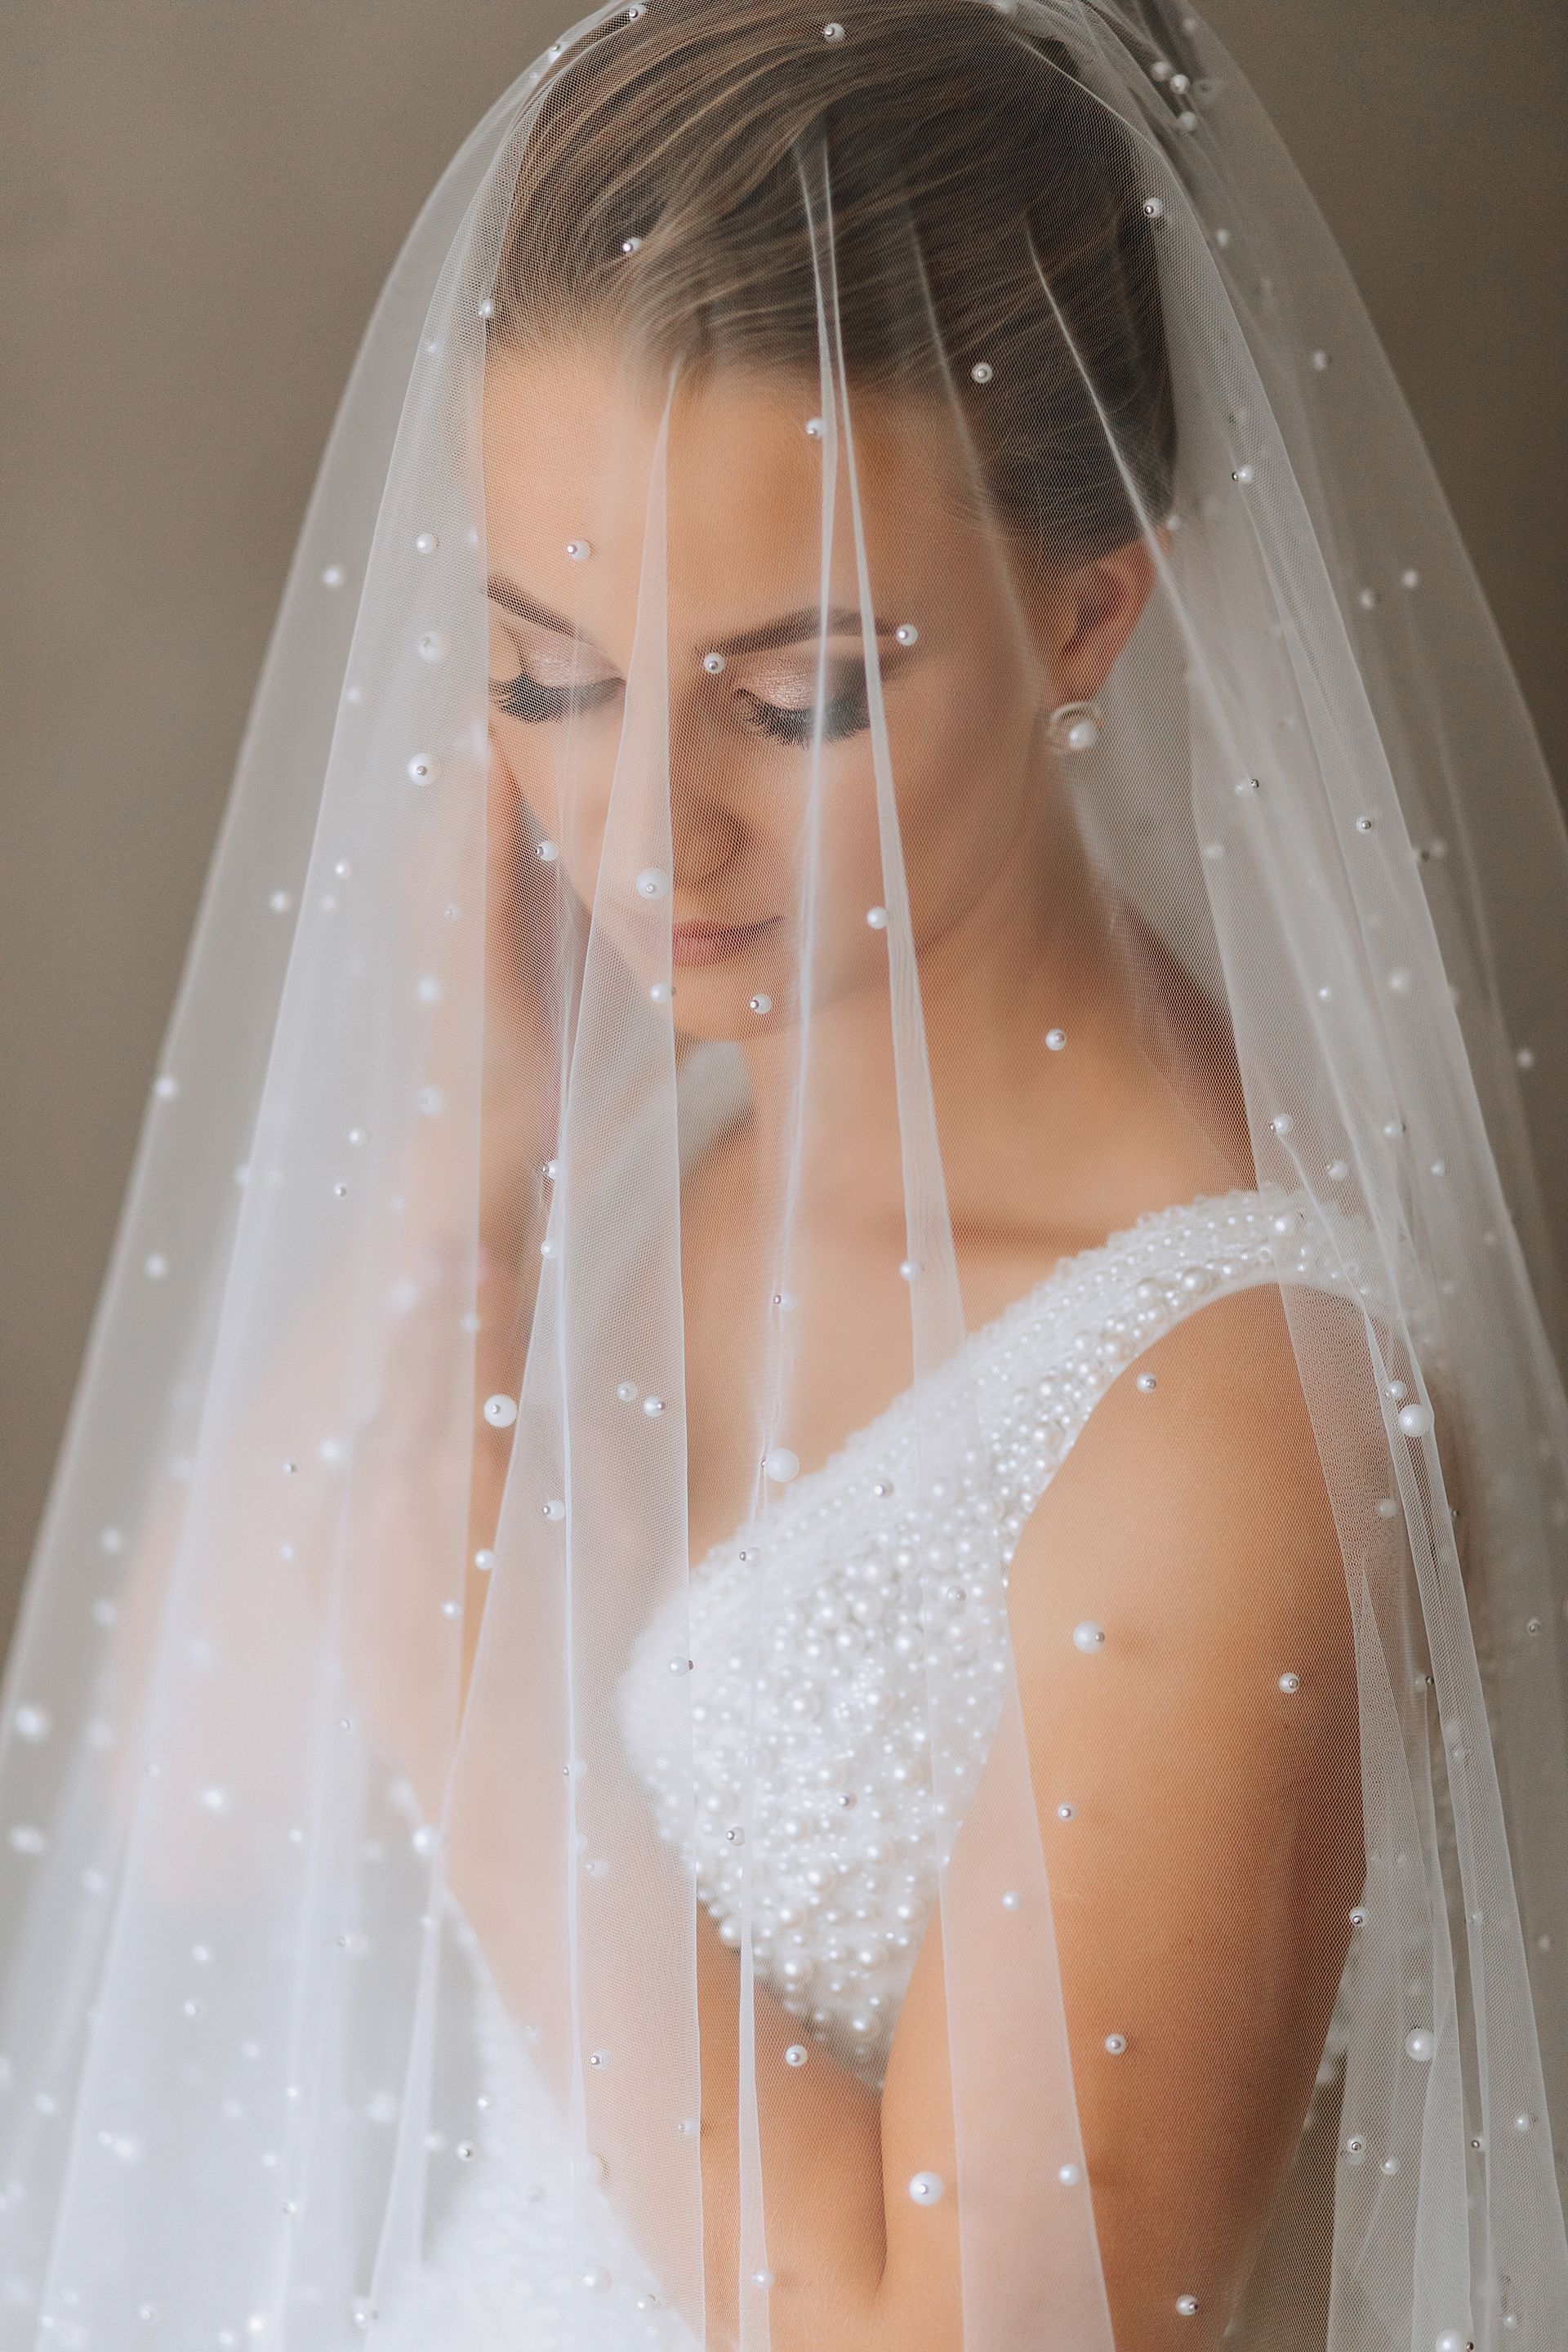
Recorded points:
(1200,1887)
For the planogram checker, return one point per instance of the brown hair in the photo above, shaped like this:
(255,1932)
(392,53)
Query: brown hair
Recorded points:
(667,191)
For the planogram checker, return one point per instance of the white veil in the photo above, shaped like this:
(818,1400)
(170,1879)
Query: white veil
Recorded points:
(391,1703)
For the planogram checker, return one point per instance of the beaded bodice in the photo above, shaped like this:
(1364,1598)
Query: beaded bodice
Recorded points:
(805,1630)
(804,1636)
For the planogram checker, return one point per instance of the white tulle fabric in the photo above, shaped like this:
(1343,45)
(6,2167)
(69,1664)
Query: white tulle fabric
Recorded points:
(349,1984)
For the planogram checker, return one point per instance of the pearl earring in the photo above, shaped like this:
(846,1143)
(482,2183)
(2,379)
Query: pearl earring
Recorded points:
(1074,726)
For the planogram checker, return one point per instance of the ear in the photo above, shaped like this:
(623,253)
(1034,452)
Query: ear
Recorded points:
(1095,609)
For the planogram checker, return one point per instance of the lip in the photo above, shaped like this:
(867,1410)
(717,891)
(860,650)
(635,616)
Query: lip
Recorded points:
(697,943)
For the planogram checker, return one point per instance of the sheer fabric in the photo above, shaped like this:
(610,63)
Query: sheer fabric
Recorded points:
(807,1588)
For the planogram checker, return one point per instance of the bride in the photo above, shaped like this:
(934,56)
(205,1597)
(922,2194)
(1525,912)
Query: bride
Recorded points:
(807,1591)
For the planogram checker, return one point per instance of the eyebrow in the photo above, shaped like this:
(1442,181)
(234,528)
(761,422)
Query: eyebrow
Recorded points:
(789,629)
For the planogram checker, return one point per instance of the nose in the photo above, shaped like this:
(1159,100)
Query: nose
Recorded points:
(708,825)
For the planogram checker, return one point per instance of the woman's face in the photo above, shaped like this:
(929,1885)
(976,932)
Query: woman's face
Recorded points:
(656,636)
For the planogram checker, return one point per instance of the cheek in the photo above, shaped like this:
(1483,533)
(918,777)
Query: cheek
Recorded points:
(962,769)
(563,777)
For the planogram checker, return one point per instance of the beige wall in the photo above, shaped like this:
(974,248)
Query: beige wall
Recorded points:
(198,200)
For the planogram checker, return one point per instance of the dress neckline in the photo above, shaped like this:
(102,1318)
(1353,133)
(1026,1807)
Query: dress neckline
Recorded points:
(1073,1272)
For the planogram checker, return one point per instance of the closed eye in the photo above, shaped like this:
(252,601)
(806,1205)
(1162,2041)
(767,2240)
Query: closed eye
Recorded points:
(524,698)
(552,676)
(843,714)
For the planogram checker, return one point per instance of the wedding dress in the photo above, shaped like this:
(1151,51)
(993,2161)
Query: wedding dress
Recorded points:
(841,1903)
(873,604)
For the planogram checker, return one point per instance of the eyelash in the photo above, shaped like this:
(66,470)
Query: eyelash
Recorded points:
(844,715)
(524,698)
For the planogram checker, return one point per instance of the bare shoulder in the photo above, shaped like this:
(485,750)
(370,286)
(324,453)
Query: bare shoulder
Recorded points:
(1194,1503)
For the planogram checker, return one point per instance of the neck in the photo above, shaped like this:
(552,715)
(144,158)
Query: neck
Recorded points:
(1031,954)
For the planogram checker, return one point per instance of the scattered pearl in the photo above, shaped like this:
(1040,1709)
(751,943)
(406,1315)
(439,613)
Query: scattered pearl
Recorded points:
(578,550)
(1418,2044)
(424,769)
(486,309)
(1066,1812)
(500,1412)
(1291,1684)
(878,917)
(33,1722)
(1186,2305)
(760,1003)
(653,1405)
(1069,2174)
(1116,2043)
(1088,1636)
(1153,208)
(1056,1039)
(555,1509)
(1146,1383)
(797,2055)
(426,543)
(1416,1420)
(433,647)
(926,2187)
(661,992)
(906,633)
(833,32)
(814,428)
(762,2278)
(712,664)
(1012,1900)
(547,852)
(909,1268)
(1337,1169)
(1241,473)
(1410,578)
(982,372)
(156,1266)
(782,1465)
(631,245)
(653,882)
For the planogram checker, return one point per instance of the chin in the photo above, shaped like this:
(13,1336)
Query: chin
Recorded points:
(727,1002)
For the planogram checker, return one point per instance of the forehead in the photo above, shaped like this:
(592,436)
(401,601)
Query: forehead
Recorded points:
(572,456)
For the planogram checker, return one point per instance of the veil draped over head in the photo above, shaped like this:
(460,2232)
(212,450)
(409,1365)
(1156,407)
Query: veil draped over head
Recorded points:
(808,1589)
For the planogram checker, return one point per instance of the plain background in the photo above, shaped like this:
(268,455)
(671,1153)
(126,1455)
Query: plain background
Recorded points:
(199,200)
